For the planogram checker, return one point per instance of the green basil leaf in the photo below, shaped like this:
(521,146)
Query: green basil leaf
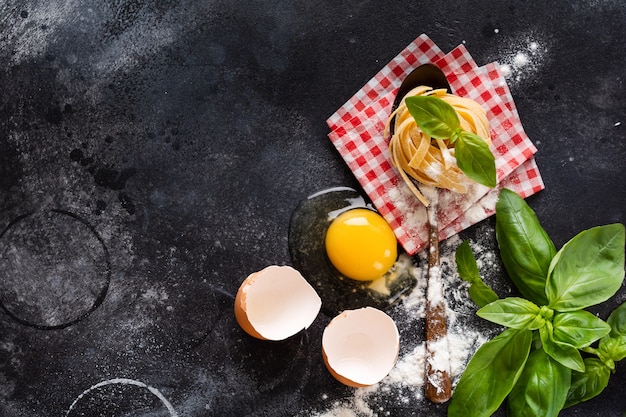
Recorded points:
(617,321)
(434,116)
(491,374)
(542,388)
(563,353)
(513,312)
(525,247)
(579,328)
(588,384)
(466,263)
(612,349)
(475,159)
(482,294)
(467,268)
(588,270)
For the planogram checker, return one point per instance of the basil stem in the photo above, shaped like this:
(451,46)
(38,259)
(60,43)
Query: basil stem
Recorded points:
(525,247)
(491,374)
(542,388)
(588,270)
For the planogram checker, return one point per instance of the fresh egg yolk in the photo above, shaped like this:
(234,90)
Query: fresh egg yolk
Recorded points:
(361,244)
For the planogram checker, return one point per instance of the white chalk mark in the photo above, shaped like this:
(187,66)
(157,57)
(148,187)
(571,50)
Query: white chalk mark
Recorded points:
(125,381)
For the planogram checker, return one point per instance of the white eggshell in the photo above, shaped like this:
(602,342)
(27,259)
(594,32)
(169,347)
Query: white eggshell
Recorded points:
(276,303)
(360,347)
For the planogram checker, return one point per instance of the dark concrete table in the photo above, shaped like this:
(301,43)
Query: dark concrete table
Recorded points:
(165,144)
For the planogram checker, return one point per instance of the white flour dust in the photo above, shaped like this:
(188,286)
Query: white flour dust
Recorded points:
(522,58)
(404,386)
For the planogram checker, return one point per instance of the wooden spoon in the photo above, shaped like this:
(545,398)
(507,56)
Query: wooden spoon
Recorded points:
(438,383)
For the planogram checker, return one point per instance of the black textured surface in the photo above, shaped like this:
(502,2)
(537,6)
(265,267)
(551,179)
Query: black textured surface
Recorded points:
(181,135)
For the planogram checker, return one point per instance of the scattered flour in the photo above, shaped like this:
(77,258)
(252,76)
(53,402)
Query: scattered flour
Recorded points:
(522,58)
(440,359)
(485,204)
(339,411)
(415,215)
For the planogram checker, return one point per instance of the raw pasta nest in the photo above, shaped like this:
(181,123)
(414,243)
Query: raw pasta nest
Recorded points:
(430,161)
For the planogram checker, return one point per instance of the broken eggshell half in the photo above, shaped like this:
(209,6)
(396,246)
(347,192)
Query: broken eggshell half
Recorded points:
(276,303)
(360,347)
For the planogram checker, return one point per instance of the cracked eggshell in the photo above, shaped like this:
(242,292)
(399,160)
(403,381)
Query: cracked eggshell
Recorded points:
(276,303)
(360,347)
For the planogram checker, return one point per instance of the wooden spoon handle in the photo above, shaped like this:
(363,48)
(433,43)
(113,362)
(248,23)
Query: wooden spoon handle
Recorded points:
(438,383)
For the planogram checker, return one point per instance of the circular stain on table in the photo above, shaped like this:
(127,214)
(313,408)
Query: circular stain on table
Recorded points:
(54,269)
(121,397)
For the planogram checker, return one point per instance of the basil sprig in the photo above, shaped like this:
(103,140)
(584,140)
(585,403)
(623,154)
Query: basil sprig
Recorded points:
(439,120)
(544,371)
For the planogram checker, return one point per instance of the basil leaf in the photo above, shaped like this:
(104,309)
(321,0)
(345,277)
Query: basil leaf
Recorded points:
(563,353)
(542,388)
(482,294)
(466,263)
(513,312)
(588,384)
(434,116)
(612,349)
(475,159)
(525,248)
(467,268)
(579,328)
(491,374)
(588,269)
(617,321)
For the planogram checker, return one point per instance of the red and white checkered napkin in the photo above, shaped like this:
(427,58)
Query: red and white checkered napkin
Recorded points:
(357,131)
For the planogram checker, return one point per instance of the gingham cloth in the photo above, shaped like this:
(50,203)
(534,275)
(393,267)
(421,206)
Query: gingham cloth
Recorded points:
(357,131)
